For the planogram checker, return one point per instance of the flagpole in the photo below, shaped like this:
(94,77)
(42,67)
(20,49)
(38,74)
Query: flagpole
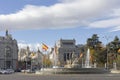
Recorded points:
(42,59)
(31,64)
(82,62)
(44,50)
(55,58)
(45,59)
(45,53)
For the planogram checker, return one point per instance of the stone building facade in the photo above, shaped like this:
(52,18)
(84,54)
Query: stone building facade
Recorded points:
(30,58)
(66,51)
(24,54)
(8,52)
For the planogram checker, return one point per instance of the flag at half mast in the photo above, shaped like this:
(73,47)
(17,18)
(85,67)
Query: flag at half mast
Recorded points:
(44,47)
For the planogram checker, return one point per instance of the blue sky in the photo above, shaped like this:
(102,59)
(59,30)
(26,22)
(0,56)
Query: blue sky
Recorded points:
(11,6)
(32,22)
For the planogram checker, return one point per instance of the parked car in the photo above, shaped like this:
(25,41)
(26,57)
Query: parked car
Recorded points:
(10,70)
(6,71)
(18,70)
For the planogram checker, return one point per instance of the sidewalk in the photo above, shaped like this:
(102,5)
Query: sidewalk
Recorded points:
(114,71)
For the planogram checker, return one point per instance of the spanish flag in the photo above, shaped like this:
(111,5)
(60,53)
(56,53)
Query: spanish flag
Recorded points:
(81,55)
(44,47)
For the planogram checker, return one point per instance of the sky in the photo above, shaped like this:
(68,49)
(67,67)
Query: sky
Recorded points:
(33,22)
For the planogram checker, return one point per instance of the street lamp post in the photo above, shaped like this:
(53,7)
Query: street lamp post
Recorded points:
(107,63)
(26,63)
(5,59)
(26,59)
(107,60)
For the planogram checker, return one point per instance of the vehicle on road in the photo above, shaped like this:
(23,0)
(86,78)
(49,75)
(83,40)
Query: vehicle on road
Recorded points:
(6,71)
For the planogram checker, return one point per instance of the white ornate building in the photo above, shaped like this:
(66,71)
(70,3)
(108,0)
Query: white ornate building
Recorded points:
(65,51)
(8,52)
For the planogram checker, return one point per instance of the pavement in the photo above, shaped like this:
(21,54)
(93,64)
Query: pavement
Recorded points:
(25,76)
(114,71)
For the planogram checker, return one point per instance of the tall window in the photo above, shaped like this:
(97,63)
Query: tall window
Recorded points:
(68,56)
(64,56)
(8,51)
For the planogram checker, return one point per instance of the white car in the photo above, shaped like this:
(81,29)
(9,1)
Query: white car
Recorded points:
(4,72)
(10,70)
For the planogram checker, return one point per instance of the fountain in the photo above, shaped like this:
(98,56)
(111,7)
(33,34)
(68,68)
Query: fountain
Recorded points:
(75,68)
(87,60)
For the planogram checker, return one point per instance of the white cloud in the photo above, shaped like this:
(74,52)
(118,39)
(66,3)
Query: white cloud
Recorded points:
(116,12)
(115,29)
(32,46)
(24,45)
(112,23)
(106,23)
(66,14)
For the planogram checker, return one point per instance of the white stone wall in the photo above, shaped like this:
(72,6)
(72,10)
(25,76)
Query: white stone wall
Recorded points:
(12,44)
(66,47)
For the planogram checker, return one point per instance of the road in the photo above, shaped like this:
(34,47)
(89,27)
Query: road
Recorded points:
(23,76)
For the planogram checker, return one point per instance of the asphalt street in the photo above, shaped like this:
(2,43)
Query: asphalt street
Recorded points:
(24,76)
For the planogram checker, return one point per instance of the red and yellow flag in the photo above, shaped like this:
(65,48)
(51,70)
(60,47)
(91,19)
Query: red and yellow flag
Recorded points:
(44,47)
(81,55)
